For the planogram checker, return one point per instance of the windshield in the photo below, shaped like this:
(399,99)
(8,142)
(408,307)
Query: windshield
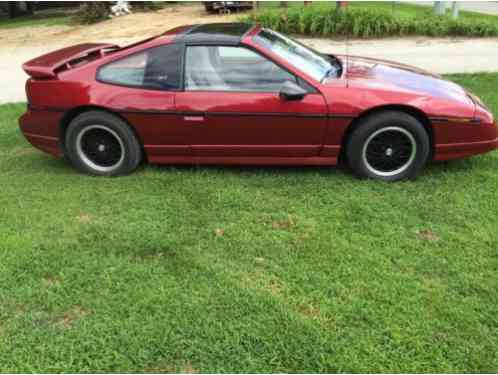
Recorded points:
(304,58)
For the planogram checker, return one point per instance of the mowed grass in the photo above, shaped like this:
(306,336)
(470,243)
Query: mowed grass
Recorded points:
(36,20)
(239,269)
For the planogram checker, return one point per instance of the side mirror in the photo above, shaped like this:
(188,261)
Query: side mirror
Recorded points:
(292,91)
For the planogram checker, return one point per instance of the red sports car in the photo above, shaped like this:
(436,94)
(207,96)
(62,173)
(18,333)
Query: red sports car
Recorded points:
(242,94)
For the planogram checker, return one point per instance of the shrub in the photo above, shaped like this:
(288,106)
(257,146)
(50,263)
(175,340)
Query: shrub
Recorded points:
(96,11)
(147,6)
(93,12)
(366,23)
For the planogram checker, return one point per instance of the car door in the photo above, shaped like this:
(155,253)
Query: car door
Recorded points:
(142,88)
(231,95)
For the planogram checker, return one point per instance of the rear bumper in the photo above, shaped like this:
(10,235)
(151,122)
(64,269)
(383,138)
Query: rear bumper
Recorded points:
(463,150)
(41,129)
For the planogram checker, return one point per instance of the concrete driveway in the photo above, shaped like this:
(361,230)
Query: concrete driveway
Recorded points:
(436,55)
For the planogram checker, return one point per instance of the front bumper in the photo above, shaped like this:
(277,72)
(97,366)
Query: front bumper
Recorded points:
(464,150)
(456,138)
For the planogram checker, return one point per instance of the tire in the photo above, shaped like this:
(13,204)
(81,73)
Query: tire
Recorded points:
(388,146)
(101,144)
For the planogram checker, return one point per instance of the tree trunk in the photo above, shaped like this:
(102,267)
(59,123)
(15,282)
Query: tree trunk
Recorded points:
(13,10)
(454,10)
(20,8)
(283,4)
(341,5)
(30,7)
(439,8)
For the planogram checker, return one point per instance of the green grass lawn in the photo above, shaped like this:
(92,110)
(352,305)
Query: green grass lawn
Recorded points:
(247,269)
(34,21)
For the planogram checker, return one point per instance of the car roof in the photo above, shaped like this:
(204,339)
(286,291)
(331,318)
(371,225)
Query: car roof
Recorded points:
(214,33)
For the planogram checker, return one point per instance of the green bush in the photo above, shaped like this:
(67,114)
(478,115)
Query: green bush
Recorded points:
(93,12)
(147,6)
(367,23)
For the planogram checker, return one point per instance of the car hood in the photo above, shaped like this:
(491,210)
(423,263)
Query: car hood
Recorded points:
(388,75)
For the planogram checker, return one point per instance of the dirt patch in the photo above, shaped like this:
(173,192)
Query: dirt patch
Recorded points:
(23,151)
(51,281)
(11,310)
(219,232)
(282,224)
(70,316)
(275,286)
(309,311)
(162,367)
(312,312)
(84,218)
(260,281)
(132,27)
(251,280)
(154,254)
(302,238)
(188,369)
(427,235)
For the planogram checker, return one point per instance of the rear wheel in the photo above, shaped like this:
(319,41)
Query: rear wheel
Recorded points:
(388,146)
(101,144)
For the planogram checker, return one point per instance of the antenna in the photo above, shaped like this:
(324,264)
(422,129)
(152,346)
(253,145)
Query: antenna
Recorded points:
(347,60)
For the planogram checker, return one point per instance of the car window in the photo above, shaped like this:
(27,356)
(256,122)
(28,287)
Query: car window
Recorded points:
(304,58)
(237,53)
(223,68)
(156,68)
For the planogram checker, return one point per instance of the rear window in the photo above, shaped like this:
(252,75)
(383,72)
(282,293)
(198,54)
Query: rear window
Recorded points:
(157,68)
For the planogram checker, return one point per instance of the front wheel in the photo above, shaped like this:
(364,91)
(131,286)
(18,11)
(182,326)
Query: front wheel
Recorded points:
(102,144)
(388,146)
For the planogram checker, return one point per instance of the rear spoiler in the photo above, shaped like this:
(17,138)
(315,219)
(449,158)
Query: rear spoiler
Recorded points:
(47,66)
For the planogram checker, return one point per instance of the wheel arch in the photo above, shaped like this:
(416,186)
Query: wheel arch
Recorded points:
(412,111)
(74,112)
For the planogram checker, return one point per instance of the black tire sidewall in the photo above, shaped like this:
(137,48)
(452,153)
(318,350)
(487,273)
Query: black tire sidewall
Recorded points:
(132,150)
(383,120)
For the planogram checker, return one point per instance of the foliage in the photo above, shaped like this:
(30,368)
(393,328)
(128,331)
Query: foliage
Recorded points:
(93,12)
(368,22)
(147,6)
(35,21)
(239,269)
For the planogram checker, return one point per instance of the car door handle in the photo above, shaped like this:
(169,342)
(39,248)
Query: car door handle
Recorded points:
(199,118)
